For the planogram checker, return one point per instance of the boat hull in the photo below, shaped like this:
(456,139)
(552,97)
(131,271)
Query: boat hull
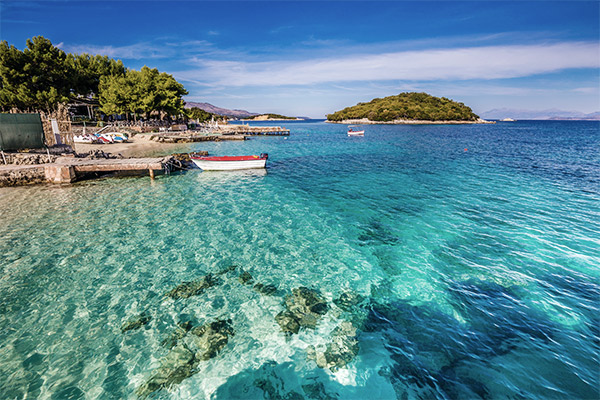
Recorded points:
(229,165)
(356,133)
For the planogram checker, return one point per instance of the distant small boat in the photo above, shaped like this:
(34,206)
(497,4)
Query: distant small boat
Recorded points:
(354,130)
(224,163)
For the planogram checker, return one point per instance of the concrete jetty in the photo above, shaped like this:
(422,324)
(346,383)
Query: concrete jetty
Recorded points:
(253,130)
(219,132)
(70,169)
(191,138)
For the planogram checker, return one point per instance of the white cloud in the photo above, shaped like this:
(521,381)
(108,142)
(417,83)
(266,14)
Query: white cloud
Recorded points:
(135,51)
(138,51)
(489,62)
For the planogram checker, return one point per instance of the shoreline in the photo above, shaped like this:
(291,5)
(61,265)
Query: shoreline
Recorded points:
(139,145)
(272,119)
(366,121)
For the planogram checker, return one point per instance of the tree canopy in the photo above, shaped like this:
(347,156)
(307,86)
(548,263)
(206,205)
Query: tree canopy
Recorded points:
(202,116)
(90,69)
(407,106)
(37,77)
(42,76)
(141,92)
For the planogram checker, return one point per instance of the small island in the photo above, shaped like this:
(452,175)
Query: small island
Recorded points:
(408,108)
(271,117)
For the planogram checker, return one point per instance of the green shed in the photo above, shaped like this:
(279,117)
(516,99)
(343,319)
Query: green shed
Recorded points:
(21,131)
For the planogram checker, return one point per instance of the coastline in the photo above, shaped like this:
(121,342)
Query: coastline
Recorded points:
(139,145)
(366,121)
(273,119)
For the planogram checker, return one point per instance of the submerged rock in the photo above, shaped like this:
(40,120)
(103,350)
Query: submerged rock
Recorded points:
(176,366)
(265,289)
(231,268)
(340,351)
(177,334)
(288,322)
(273,391)
(245,277)
(136,322)
(348,300)
(316,391)
(304,308)
(202,343)
(211,338)
(189,289)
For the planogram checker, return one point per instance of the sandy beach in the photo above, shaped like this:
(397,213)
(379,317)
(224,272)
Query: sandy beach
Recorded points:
(138,146)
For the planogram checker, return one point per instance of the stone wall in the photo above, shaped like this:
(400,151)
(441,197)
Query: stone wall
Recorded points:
(22,176)
(62,117)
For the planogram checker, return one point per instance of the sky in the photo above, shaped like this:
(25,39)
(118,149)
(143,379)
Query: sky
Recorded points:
(311,58)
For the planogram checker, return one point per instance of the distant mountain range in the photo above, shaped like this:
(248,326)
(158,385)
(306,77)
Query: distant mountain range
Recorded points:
(551,114)
(220,111)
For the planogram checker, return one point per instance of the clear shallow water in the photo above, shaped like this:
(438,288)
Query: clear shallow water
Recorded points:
(479,268)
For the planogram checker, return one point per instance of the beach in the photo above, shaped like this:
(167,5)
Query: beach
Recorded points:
(138,145)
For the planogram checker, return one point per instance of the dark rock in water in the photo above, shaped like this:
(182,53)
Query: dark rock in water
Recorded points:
(187,325)
(177,334)
(304,308)
(182,361)
(341,351)
(272,392)
(377,233)
(136,322)
(211,338)
(231,268)
(245,277)
(306,300)
(348,300)
(176,366)
(189,289)
(288,322)
(265,289)
(316,391)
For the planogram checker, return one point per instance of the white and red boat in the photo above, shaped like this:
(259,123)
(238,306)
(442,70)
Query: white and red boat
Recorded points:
(224,163)
(354,130)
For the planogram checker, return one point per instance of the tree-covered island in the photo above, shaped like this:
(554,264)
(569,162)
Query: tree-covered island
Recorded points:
(407,108)
(270,117)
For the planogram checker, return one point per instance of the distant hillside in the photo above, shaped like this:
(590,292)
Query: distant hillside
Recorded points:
(407,107)
(553,114)
(220,111)
(271,117)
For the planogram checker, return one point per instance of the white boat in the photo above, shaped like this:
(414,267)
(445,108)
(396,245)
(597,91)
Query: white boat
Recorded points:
(225,163)
(354,130)
(84,139)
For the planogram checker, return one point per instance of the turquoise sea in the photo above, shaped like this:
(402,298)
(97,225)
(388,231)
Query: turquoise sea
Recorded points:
(448,262)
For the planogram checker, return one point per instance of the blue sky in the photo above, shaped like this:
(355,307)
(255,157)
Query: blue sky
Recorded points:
(311,58)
